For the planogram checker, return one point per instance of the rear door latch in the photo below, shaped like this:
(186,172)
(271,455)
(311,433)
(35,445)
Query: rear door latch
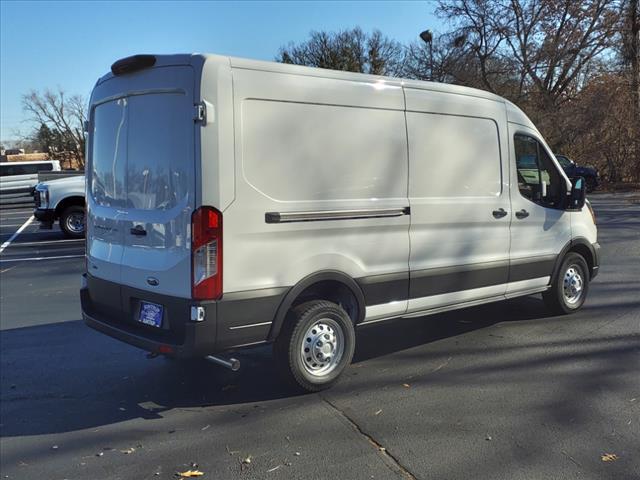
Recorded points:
(200,113)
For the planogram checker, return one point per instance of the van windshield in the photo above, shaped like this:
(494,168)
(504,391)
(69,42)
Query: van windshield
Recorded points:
(139,158)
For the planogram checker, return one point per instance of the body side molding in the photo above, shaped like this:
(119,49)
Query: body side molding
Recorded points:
(321,215)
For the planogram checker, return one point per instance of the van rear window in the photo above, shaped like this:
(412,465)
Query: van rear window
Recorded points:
(108,153)
(142,155)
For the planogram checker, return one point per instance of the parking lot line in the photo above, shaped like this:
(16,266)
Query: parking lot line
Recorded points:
(33,259)
(9,215)
(17,232)
(44,242)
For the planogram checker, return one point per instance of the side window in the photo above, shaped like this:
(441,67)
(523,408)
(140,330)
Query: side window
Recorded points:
(44,167)
(538,178)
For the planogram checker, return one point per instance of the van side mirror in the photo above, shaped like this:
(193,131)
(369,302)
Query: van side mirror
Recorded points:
(578,193)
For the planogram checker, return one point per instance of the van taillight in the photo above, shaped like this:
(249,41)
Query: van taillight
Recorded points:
(206,254)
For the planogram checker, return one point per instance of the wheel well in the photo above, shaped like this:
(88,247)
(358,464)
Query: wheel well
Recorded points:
(333,291)
(331,285)
(67,202)
(586,254)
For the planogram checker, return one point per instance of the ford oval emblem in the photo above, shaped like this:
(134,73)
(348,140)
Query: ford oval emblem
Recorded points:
(153,281)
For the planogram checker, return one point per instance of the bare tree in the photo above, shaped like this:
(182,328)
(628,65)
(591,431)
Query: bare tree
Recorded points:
(630,54)
(548,44)
(351,50)
(62,114)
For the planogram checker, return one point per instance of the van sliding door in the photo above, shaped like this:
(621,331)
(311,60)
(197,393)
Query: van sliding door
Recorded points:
(459,208)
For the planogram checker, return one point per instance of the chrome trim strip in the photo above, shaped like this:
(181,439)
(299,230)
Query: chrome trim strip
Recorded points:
(457,306)
(261,342)
(524,293)
(250,325)
(315,216)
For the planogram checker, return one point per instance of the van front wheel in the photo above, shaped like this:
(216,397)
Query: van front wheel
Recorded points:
(316,344)
(570,286)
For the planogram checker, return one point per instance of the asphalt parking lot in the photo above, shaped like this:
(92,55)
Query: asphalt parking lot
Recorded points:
(503,391)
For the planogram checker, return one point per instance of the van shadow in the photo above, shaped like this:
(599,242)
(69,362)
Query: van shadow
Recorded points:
(80,379)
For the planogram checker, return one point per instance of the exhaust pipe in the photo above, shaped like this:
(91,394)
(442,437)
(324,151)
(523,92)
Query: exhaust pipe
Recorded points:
(232,364)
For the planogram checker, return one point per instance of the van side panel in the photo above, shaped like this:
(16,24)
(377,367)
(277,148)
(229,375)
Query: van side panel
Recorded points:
(459,178)
(317,147)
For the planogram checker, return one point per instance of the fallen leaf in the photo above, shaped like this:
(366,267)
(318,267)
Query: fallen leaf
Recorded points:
(128,451)
(190,474)
(406,385)
(609,457)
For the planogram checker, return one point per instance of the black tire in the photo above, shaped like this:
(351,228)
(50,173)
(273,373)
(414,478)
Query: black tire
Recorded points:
(69,224)
(289,346)
(555,298)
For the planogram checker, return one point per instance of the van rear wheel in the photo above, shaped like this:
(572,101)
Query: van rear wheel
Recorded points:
(569,287)
(316,344)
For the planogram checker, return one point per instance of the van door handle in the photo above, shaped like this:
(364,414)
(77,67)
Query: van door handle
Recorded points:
(501,212)
(138,230)
(522,214)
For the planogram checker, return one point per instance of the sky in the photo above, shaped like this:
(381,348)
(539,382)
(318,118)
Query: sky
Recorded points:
(70,44)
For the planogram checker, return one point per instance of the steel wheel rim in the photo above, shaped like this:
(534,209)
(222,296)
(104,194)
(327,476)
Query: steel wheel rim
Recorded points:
(573,285)
(75,222)
(322,347)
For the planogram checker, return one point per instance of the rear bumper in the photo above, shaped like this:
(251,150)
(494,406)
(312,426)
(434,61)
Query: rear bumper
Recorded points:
(240,319)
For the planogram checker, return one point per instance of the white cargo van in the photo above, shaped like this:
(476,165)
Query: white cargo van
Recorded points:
(235,202)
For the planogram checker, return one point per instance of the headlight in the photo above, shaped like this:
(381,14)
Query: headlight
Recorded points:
(44,197)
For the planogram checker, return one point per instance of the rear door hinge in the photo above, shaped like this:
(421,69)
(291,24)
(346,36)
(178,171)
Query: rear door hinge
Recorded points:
(200,113)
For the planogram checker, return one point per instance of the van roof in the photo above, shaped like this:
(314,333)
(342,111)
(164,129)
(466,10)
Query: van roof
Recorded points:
(249,64)
(343,75)
(514,113)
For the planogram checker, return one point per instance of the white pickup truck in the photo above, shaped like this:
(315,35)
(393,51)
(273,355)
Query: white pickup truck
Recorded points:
(61,199)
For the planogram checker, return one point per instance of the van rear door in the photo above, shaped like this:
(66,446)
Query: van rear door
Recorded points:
(142,181)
